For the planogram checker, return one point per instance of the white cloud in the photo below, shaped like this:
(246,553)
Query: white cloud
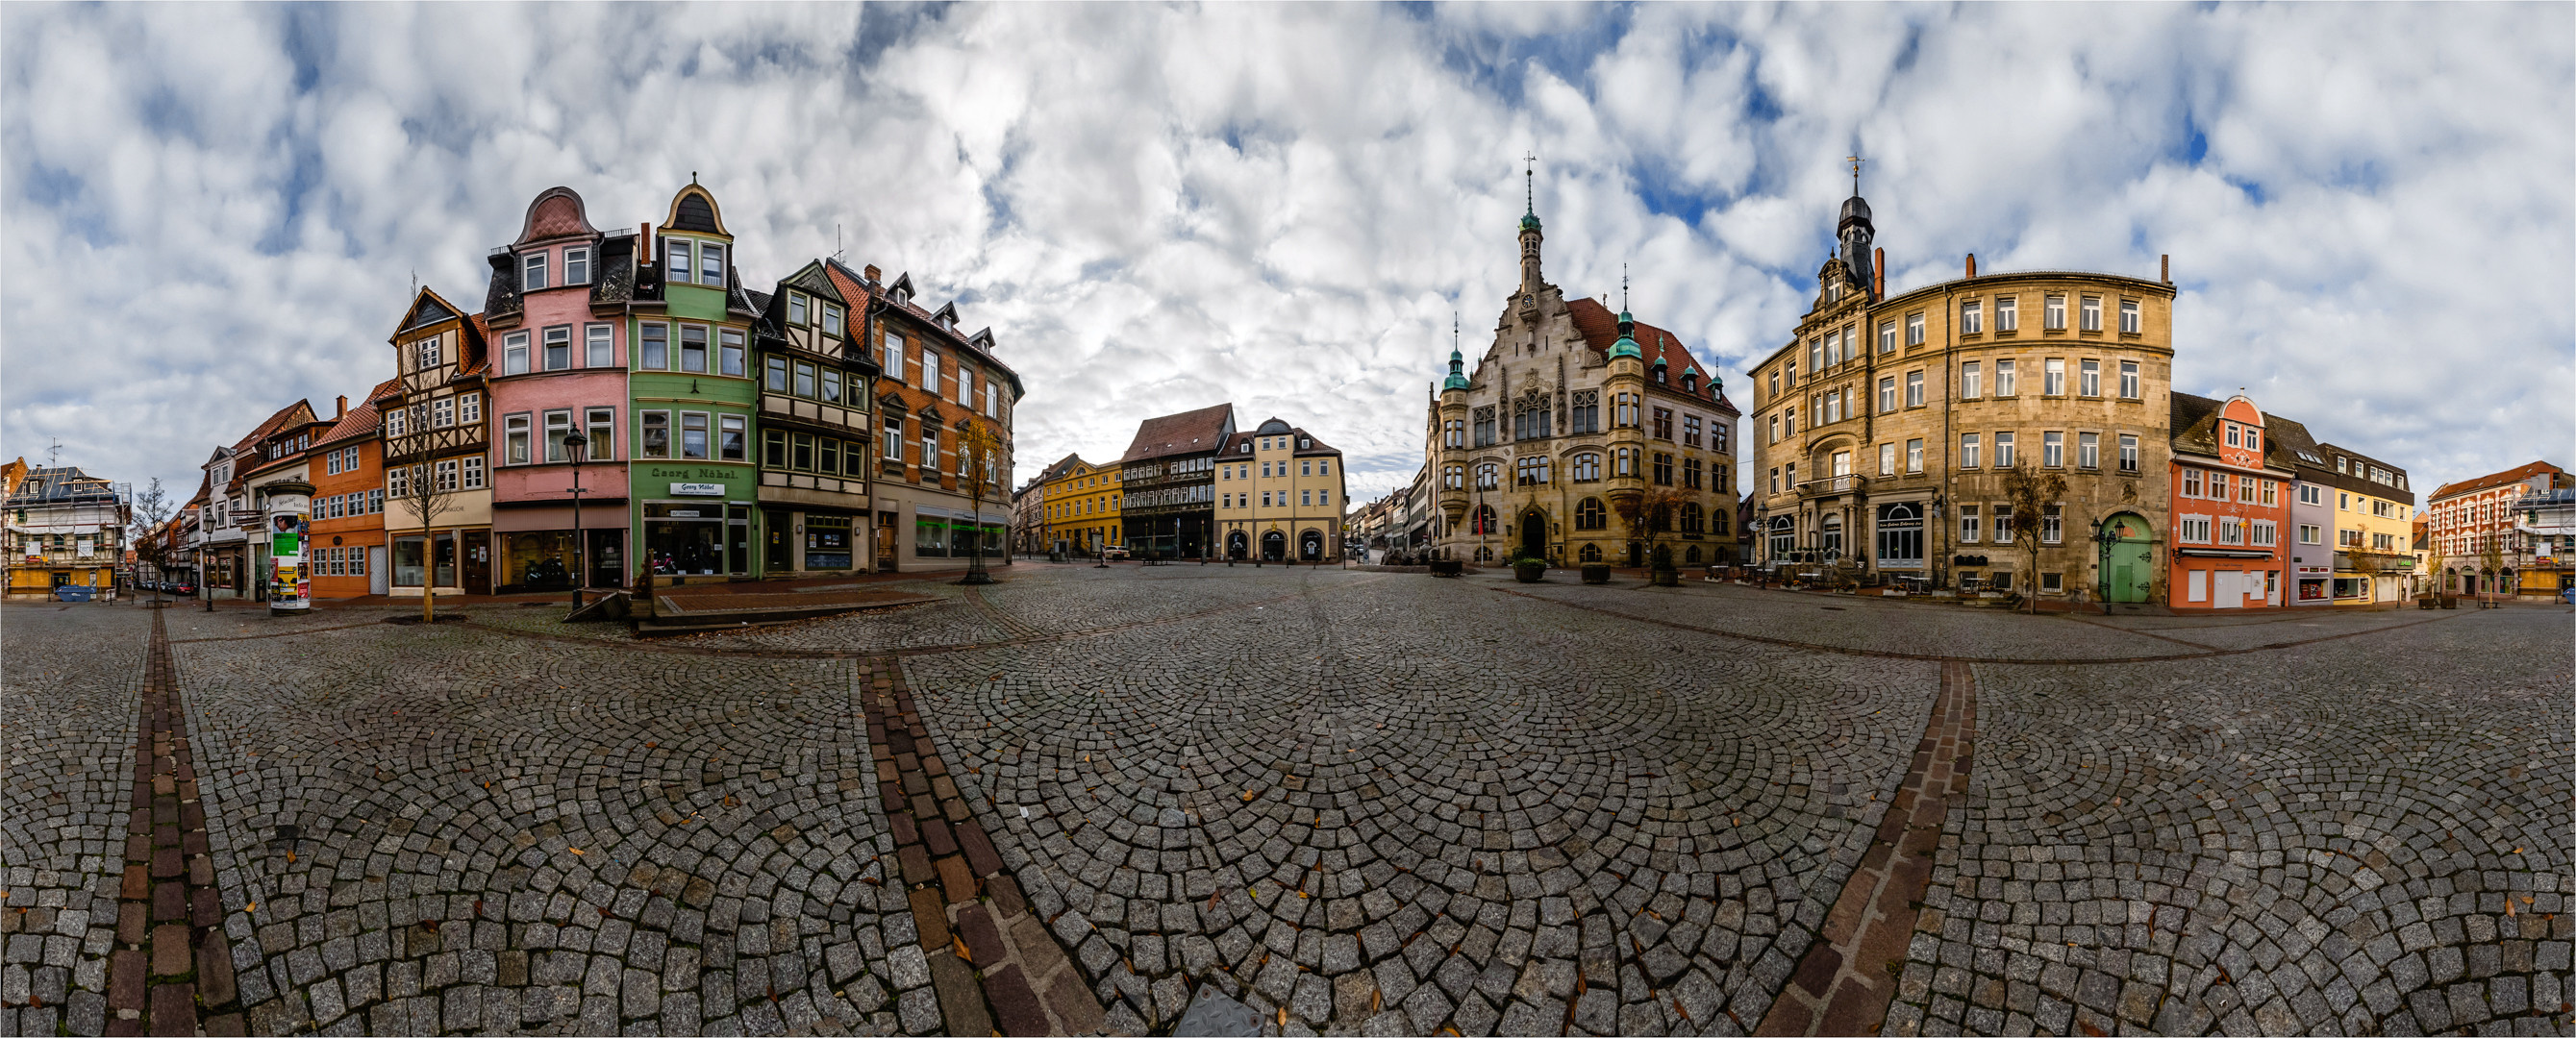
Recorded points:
(212,211)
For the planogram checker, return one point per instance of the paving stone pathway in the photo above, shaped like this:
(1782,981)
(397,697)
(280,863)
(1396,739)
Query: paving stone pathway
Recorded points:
(1085,799)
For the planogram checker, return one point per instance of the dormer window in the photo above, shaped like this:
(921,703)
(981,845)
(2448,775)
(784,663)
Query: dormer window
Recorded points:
(577,266)
(711,269)
(425,353)
(831,319)
(796,309)
(678,267)
(533,268)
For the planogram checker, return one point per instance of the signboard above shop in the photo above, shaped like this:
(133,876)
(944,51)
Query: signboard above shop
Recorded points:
(697,490)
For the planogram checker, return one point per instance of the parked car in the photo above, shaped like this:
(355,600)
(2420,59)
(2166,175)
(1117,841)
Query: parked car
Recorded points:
(1113,552)
(2567,595)
(183,587)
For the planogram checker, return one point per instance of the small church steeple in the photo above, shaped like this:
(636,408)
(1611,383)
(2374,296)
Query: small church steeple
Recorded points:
(1530,234)
(1627,344)
(1457,363)
(1853,231)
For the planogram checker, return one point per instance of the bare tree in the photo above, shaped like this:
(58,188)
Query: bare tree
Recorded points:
(422,490)
(2491,560)
(149,512)
(2433,561)
(2030,492)
(1651,517)
(979,467)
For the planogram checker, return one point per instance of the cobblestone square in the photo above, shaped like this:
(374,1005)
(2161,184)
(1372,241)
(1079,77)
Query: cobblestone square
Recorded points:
(1356,802)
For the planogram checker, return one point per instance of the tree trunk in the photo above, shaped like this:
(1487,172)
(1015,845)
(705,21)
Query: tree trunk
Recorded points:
(428,571)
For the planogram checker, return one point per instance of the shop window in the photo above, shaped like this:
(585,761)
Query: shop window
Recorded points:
(827,542)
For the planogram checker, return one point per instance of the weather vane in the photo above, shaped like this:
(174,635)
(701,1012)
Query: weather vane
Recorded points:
(1855,160)
(1529,180)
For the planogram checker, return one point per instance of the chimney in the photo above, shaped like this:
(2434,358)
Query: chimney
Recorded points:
(1972,264)
(2164,266)
(343,410)
(644,248)
(871,271)
(1877,274)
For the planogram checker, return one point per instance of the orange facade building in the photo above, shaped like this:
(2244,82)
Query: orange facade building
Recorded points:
(2231,500)
(347,557)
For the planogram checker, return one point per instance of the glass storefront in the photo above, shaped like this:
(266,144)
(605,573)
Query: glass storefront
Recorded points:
(541,561)
(696,538)
(827,542)
(410,562)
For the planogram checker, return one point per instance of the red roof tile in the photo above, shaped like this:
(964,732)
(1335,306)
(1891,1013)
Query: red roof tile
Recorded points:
(2494,479)
(1189,432)
(1599,326)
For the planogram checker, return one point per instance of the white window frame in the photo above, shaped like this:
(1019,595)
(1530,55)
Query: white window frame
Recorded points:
(2129,381)
(577,262)
(2007,377)
(516,437)
(1914,389)
(2130,319)
(2053,313)
(469,409)
(706,436)
(2004,443)
(442,412)
(1914,329)
(2007,313)
(514,353)
(532,271)
(1914,455)
(679,264)
(1971,451)
(1972,317)
(2052,376)
(473,472)
(2089,312)
(546,348)
(1886,339)
(599,346)
(1972,380)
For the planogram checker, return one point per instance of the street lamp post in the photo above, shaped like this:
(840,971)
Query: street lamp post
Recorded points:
(577,445)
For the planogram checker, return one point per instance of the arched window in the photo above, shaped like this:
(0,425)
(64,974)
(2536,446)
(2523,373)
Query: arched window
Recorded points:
(1481,523)
(1691,555)
(1900,535)
(1694,519)
(1829,535)
(1784,534)
(1590,515)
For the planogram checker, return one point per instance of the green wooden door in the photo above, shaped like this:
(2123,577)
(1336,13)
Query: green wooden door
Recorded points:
(2126,564)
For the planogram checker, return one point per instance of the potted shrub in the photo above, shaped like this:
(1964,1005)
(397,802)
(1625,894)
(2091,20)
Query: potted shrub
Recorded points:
(1596,573)
(1528,569)
(1665,573)
(1446,567)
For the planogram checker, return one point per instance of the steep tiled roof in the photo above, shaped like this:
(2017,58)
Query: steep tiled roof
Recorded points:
(2494,479)
(1189,432)
(1599,326)
(856,291)
(1063,465)
(61,485)
(362,420)
(2195,430)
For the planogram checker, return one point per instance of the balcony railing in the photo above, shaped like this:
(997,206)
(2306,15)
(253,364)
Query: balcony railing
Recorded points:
(1831,485)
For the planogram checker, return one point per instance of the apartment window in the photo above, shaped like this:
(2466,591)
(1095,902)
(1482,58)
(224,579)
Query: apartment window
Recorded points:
(2308,533)
(680,270)
(446,470)
(602,433)
(2052,376)
(1625,409)
(2053,314)
(693,347)
(557,424)
(395,425)
(2311,494)
(711,267)
(1663,468)
(1775,479)
(801,453)
(890,440)
(2007,313)
(965,385)
(1914,456)
(1531,472)
(397,483)
(2192,529)
(1815,354)
(693,434)
(657,347)
(2272,495)
(1971,318)
(514,353)
(442,412)
(331,464)
(2052,524)
(1887,459)
(427,352)
(558,348)
(1775,428)
(2191,482)
(2003,450)
(2263,536)
(533,271)
(2231,530)
(2006,379)
(2088,450)
(1886,338)
(729,351)
(805,380)
(1914,329)
(2092,311)
(1690,430)
(1970,525)
(656,433)
(1972,380)
(2245,489)
(1968,451)
(2129,323)
(796,309)
(1914,389)
(831,319)
(1587,468)
(1833,347)
(577,266)
(893,360)
(929,450)
(599,347)
(775,377)
(469,409)
(2052,449)
(930,372)
(1887,394)
(831,385)
(2089,378)
(2128,380)
(514,439)
(2254,439)
(2003,524)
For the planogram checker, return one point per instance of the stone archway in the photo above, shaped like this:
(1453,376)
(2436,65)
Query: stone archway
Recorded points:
(1310,545)
(1274,546)
(1534,533)
(1237,545)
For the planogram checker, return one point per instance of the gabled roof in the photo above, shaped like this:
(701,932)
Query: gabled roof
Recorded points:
(1189,432)
(2494,479)
(856,291)
(1599,326)
(1068,463)
(362,420)
(2195,430)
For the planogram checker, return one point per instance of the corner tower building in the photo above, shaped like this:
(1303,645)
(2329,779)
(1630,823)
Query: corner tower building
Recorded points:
(1574,416)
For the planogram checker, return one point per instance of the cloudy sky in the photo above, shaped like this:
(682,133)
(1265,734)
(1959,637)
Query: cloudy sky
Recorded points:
(212,211)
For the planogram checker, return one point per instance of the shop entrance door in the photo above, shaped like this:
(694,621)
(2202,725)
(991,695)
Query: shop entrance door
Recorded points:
(376,570)
(885,542)
(775,555)
(607,558)
(478,562)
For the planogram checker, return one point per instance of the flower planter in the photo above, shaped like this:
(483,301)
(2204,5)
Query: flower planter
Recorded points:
(1529,572)
(1446,567)
(1596,573)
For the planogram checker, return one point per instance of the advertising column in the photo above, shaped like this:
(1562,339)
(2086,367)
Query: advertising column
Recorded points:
(290,508)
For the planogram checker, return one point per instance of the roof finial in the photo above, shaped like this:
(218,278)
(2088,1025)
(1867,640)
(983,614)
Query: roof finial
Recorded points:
(1623,287)
(1529,183)
(693,177)
(1855,160)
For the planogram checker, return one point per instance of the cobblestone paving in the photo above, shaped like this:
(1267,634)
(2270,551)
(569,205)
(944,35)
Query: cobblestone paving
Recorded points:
(2366,835)
(1396,811)
(490,834)
(1362,803)
(68,696)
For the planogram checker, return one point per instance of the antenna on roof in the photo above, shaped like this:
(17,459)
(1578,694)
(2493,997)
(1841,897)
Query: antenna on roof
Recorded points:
(54,454)
(836,241)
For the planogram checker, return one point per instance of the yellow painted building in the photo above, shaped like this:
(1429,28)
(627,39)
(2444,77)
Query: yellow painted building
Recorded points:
(1279,495)
(1081,503)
